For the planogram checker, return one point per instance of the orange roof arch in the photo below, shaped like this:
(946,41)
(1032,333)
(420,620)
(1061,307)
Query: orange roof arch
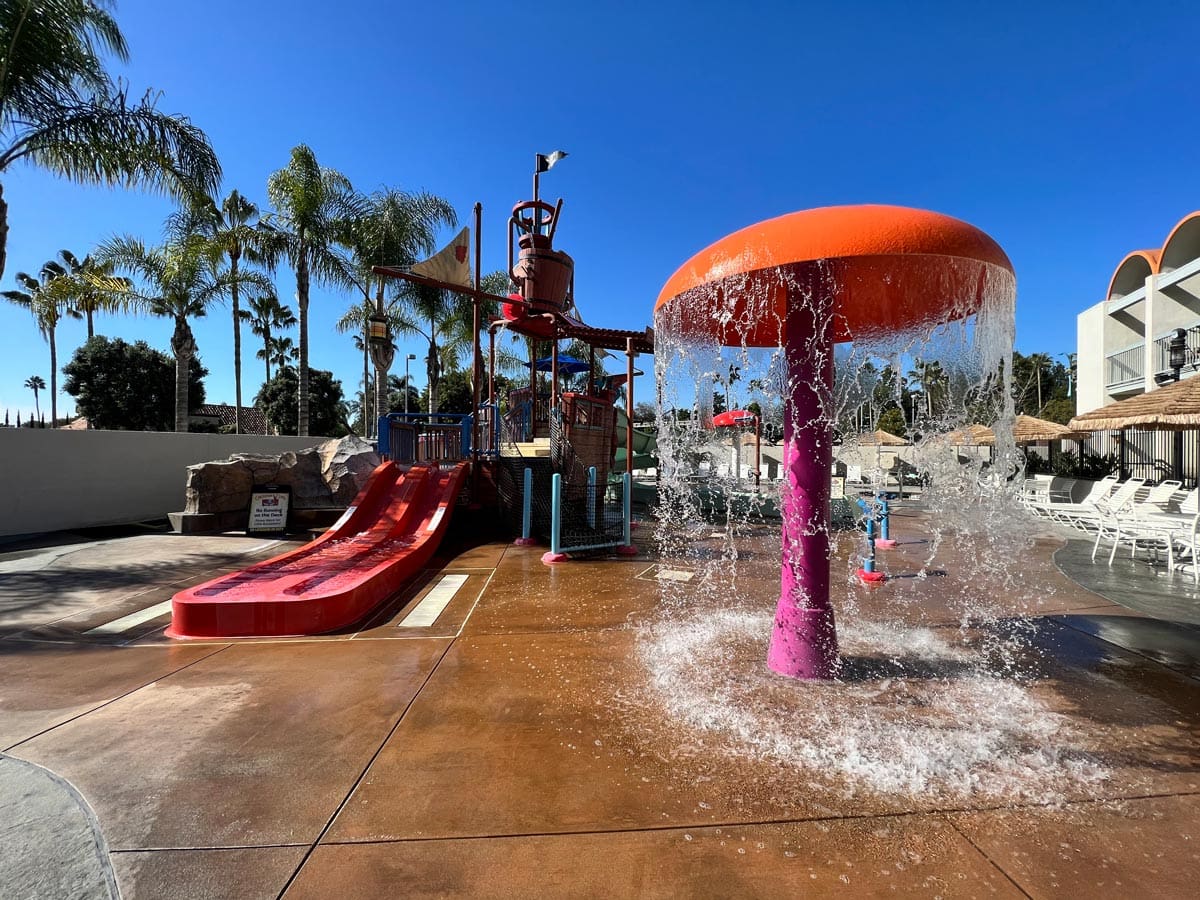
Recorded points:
(1186,232)
(1131,272)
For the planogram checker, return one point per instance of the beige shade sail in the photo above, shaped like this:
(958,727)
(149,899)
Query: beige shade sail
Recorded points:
(973,436)
(881,439)
(1174,407)
(1032,430)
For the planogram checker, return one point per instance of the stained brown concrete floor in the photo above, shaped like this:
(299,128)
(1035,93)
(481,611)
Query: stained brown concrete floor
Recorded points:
(513,748)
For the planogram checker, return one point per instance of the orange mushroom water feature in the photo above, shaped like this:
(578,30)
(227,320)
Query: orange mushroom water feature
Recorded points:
(803,282)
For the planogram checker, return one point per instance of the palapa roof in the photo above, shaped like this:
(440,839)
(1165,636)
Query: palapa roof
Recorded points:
(1032,430)
(881,439)
(972,435)
(1173,407)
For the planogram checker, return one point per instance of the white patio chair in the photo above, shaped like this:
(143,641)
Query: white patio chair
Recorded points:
(1177,527)
(1123,523)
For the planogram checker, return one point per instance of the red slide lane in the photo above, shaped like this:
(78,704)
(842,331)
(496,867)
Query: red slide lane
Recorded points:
(384,538)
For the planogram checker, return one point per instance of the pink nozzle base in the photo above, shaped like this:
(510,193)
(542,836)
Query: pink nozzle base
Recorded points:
(870,577)
(804,643)
(551,558)
(885,544)
(627,550)
(525,542)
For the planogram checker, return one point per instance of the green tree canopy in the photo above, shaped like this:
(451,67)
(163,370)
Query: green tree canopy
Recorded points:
(120,386)
(892,421)
(327,414)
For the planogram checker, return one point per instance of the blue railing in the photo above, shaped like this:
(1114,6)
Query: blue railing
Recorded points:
(408,438)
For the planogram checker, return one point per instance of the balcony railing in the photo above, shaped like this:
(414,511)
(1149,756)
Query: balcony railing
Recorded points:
(1162,356)
(1125,366)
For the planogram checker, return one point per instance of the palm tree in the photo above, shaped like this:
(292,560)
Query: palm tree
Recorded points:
(47,298)
(312,205)
(396,228)
(1040,362)
(931,376)
(62,111)
(357,319)
(35,383)
(234,229)
(283,352)
(443,321)
(266,316)
(180,278)
(94,288)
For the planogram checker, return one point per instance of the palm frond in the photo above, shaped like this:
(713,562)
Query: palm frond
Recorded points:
(106,140)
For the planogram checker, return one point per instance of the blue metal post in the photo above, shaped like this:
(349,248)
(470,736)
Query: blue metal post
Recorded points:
(591,496)
(883,518)
(556,514)
(869,562)
(527,504)
(868,509)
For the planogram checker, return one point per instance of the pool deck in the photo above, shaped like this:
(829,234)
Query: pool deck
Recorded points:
(478,756)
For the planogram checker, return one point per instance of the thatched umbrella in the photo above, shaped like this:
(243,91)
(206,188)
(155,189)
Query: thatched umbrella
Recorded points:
(1032,430)
(1173,407)
(972,435)
(881,439)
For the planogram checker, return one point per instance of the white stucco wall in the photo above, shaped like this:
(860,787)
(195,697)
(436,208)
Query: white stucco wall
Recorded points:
(51,480)
(1090,390)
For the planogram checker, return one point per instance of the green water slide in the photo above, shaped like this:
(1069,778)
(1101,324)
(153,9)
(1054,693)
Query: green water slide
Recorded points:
(645,446)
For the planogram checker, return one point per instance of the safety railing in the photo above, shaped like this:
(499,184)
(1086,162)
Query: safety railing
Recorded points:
(439,438)
(1125,366)
(488,416)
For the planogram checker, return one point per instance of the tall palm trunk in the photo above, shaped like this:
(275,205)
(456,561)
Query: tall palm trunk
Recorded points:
(380,372)
(37,409)
(3,231)
(53,379)
(91,329)
(366,381)
(302,301)
(267,348)
(183,345)
(237,342)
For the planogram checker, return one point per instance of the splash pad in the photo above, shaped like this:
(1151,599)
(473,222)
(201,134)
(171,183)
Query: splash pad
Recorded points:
(804,282)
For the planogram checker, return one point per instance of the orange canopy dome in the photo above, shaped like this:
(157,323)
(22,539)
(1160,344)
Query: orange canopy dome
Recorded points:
(889,268)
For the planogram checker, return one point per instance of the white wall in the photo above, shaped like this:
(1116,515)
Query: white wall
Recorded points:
(1090,387)
(51,480)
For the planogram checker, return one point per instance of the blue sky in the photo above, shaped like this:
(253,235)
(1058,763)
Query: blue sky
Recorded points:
(1064,130)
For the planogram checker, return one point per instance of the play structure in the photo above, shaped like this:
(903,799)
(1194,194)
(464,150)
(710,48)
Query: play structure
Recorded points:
(554,462)
(804,282)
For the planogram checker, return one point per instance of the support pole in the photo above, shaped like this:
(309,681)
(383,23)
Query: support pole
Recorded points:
(804,640)
(526,538)
(476,350)
(555,554)
(591,496)
(885,541)
(554,372)
(629,407)
(627,548)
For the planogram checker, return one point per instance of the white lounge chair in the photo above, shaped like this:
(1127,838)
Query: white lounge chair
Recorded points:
(1123,519)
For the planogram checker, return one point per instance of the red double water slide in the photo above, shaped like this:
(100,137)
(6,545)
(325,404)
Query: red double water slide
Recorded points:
(384,539)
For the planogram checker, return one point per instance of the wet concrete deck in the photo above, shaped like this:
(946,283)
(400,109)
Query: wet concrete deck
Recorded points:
(515,747)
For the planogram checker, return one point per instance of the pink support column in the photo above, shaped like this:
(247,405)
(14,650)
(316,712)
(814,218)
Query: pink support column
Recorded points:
(804,639)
